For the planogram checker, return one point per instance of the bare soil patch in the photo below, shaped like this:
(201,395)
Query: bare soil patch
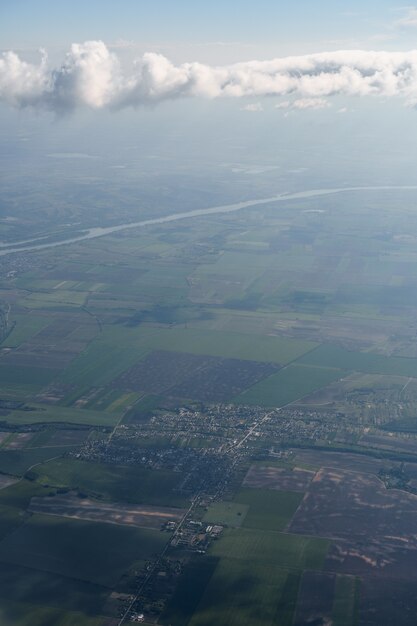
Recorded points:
(279,478)
(374,529)
(71,506)
(19,441)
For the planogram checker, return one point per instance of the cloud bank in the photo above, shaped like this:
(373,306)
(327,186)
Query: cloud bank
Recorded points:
(92,76)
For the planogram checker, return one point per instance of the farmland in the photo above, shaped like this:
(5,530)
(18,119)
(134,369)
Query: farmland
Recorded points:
(74,507)
(127,484)
(185,375)
(290,384)
(261,594)
(269,511)
(216,419)
(54,415)
(73,548)
(268,546)
(227,513)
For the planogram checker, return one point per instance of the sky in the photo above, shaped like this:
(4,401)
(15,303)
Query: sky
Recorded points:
(333,83)
(279,25)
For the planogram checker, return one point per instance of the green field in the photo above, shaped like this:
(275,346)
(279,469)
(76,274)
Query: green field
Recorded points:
(245,593)
(346,601)
(47,565)
(230,344)
(112,400)
(105,357)
(118,348)
(332,356)
(189,591)
(227,513)
(111,482)
(25,327)
(58,299)
(288,385)
(17,462)
(19,495)
(21,614)
(34,377)
(142,410)
(282,549)
(68,415)
(97,553)
(40,591)
(10,519)
(268,509)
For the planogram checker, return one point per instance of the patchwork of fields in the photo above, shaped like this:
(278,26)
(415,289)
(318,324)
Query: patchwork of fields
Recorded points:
(159,382)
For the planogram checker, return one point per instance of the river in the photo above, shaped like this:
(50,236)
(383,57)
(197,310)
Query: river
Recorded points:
(93,233)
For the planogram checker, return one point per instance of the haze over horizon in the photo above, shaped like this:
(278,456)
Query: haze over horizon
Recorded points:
(317,91)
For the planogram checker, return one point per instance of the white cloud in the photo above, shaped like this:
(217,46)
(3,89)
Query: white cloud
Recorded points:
(256,107)
(304,103)
(409,20)
(311,103)
(283,105)
(92,76)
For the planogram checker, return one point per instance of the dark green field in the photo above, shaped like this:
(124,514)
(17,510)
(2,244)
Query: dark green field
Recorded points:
(74,548)
(19,494)
(289,384)
(244,593)
(32,586)
(333,356)
(33,377)
(25,327)
(17,462)
(22,614)
(228,513)
(346,601)
(58,414)
(110,482)
(269,510)
(189,591)
(283,550)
